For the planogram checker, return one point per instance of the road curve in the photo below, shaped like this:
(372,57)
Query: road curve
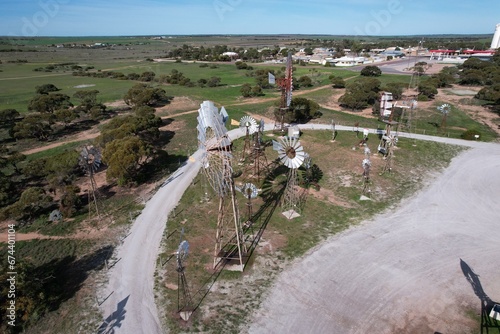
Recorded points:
(413,269)
(130,306)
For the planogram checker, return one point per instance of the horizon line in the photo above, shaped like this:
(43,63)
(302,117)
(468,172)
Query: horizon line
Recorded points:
(247,34)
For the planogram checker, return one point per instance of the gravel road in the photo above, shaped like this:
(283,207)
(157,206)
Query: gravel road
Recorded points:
(381,274)
(131,307)
(412,269)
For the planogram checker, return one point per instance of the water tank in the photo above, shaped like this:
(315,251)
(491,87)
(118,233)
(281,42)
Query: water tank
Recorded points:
(495,42)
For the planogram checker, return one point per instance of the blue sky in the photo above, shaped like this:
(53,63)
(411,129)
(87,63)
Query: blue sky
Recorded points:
(182,17)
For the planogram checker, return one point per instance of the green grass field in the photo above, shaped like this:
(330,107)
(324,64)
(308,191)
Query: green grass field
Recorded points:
(320,217)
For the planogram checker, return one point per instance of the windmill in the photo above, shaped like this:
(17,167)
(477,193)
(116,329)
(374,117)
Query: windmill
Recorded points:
(286,86)
(90,161)
(216,147)
(445,110)
(383,146)
(249,125)
(366,164)
(334,131)
(258,157)
(250,191)
(408,107)
(292,155)
(390,142)
(184,300)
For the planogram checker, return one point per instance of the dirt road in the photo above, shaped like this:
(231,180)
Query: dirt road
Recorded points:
(418,268)
(130,306)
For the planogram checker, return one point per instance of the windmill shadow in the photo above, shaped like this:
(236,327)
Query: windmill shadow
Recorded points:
(115,319)
(486,303)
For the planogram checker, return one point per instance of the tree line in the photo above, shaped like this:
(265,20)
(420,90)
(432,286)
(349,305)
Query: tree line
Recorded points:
(30,187)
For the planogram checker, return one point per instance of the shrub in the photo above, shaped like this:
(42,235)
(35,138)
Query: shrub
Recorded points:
(470,135)
(371,71)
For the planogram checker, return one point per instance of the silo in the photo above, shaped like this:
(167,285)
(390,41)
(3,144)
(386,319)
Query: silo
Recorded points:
(495,42)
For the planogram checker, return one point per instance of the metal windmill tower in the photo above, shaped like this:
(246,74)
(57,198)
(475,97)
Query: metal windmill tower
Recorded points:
(286,86)
(390,142)
(292,155)
(184,300)
(383,146)
(366,164)
(334,131)
(250,191)
(90,161)
(258,157)
(408,107)
(249,125)
(445,110)
(216,148)
(415,77)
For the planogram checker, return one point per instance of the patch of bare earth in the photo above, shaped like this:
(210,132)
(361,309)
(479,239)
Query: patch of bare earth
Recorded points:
(181,103)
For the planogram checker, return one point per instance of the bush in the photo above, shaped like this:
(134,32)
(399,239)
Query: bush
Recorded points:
(371,71)
(337,82)
(470,135)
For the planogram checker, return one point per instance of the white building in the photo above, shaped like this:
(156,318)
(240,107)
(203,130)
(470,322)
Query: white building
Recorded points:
(495,42)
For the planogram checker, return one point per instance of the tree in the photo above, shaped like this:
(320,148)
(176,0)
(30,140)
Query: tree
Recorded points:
(7,116)
(65,116)
(34,126)
(7,120)
(147,76)
(123,158)
(305,81)
(337,82)
(492,95)
(472,77)
(87,98)
(31,204)
(420,68)
(133,76)
(361,93)
(427,89)
(302,110)
(13,158)
(308,51)
(214,82)
(446,77)
(48,103)
(202,82)
(246,90)
(46,89)
(396,88)
(142,94)
(241,65)
(70,201)
(257,91)
(371,71)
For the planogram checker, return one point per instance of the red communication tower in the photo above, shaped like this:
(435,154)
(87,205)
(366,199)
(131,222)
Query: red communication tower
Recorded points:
(286,86)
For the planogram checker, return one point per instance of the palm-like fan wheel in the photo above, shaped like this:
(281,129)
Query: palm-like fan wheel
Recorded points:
(90,159)
(249,123)
(290,152)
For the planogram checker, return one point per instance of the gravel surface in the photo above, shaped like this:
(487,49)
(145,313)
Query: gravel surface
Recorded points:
(410,270)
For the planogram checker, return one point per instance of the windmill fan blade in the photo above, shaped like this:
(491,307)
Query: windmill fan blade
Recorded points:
(250,123)
(250,190)
(276,145)
(290,152)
